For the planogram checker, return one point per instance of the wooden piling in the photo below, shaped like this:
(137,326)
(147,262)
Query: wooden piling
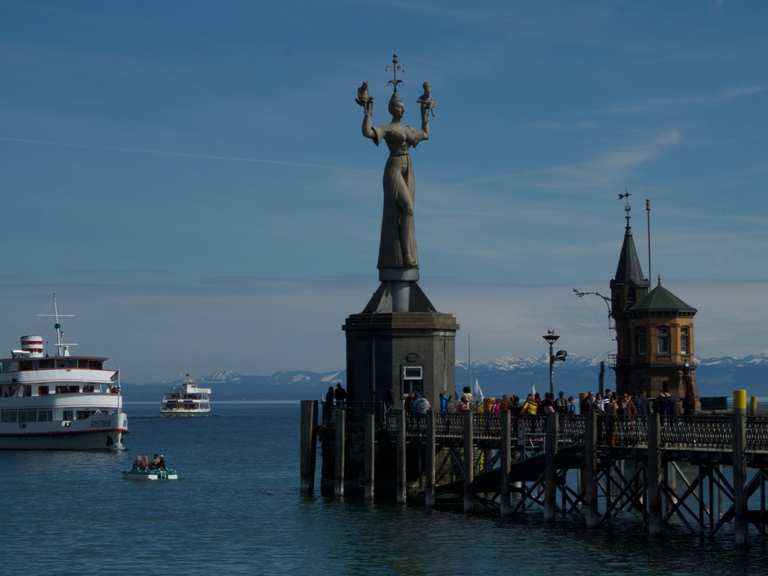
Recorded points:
(590,470)
(654,475)
(369,479)
(402,486)
(340,451)
(469,462)
(506,461)
(550,472)
(739,466)
(308,445)
(429,487)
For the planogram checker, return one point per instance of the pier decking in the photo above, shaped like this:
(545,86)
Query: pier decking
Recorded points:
(703,472)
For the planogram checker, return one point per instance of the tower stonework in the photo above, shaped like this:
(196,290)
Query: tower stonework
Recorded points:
(655,341)
(627,288)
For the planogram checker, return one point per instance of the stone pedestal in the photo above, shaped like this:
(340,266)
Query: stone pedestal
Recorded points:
(386,352)
(400,343)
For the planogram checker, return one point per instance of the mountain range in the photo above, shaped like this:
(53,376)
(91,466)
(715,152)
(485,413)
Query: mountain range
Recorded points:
(512,375)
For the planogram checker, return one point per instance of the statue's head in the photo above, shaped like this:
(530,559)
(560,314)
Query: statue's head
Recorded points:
(396,106)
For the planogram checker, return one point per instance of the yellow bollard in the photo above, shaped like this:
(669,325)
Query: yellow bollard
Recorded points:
(740,400)
(753,406)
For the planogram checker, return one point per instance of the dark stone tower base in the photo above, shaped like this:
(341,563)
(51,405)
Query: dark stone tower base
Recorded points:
(391,354)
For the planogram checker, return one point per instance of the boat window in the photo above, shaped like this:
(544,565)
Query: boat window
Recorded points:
(83,414)
(44,415)
(95,364)
(46,364)
(88,388)
(67,415)
(25,365)
(8,415)
(43,390)
(27,415)
(27,390)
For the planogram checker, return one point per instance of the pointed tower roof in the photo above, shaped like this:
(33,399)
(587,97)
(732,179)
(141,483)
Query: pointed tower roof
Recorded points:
(662,300)
(629,269)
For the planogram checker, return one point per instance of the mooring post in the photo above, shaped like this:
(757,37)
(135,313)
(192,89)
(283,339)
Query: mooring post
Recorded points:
(590,470)
(550,473)
(308,445)
(654,475)
(506,461)
(753,404)
(469,462)
(429,487)
(370,457)
(341,437)
(402,486)
(740,465)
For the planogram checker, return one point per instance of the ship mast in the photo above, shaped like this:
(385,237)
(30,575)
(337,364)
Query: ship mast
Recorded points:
(62,348)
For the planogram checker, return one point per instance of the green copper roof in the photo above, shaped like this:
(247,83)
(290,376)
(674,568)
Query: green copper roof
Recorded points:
(662,300)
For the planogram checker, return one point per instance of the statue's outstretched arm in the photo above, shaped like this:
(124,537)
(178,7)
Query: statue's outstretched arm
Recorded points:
(368,130)
(425,122)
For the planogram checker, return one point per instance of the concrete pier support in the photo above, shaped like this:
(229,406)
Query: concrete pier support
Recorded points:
(590,471)
(654,475)
(308,445)
(340,450)
(369,477)
(740,466)
(550,472)
(469,462)
(506,461)
(402,485)
(429,487)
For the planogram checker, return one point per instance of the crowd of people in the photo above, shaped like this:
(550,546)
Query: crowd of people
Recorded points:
(608,403)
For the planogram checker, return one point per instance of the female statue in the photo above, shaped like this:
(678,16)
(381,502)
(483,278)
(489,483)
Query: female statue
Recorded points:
(397,248)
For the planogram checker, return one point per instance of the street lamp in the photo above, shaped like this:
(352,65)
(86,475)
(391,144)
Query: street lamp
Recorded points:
(551,337)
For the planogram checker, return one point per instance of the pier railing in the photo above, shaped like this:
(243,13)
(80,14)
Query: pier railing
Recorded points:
(698,432)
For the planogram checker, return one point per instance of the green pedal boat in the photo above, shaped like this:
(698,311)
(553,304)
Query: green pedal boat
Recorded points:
(160,474)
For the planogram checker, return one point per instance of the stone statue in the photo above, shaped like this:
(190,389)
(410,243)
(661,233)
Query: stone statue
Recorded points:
(397,248)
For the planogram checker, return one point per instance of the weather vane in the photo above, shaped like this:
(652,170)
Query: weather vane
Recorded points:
(627,205)
(394,67)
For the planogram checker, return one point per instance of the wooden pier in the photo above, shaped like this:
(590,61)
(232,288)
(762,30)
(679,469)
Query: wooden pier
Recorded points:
(703,472)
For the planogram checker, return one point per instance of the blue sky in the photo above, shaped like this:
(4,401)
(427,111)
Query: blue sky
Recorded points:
(192,180)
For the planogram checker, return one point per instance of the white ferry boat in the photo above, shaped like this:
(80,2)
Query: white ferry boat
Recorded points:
(60,401)
(187,399)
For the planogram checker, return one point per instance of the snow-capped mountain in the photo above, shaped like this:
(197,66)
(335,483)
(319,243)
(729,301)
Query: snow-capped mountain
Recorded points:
(512,375)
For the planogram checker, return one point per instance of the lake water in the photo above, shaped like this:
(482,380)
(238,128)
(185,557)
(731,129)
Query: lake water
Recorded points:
(237,510)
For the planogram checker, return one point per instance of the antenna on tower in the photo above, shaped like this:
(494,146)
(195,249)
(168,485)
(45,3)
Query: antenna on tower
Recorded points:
(62,348)
(648,218)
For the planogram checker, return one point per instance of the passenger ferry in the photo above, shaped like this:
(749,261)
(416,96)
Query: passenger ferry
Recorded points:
(187,399)
(59,401)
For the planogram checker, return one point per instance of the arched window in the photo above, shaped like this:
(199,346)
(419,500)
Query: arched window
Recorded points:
(641,338)
(685,340)
(662,341)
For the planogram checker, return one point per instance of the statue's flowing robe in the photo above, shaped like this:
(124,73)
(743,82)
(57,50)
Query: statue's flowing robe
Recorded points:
(397,247)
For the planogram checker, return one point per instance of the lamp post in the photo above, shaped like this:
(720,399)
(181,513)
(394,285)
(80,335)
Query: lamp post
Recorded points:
(551,337)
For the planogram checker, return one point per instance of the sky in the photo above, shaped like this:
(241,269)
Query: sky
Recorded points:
(191,180)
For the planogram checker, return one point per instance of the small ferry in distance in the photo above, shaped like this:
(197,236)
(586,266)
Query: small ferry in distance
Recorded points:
(59,401)
(186,399)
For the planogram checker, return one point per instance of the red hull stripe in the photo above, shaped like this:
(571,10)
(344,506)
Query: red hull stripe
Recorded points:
(71,433)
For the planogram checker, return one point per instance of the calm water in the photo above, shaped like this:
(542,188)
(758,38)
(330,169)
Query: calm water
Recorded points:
(236,510)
